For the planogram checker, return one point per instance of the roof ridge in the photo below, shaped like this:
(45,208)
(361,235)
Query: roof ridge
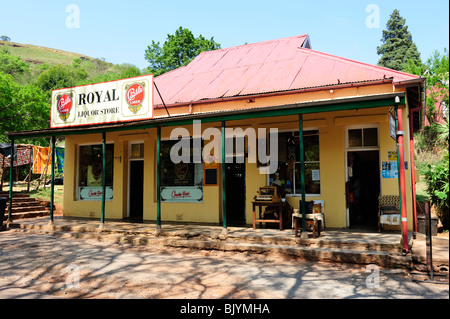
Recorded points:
(367,65)
(305,35)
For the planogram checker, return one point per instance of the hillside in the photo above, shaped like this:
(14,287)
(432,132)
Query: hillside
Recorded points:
(29,73)
(36,55)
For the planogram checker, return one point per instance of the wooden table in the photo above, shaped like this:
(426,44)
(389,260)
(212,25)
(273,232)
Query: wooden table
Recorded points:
(261,204)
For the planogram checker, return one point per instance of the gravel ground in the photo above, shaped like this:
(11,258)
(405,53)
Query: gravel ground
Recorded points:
(88,269)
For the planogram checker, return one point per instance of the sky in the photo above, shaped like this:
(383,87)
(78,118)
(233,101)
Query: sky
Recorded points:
(121,31)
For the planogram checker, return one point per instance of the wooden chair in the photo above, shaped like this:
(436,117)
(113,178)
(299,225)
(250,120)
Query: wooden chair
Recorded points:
(311,224)
(388,205)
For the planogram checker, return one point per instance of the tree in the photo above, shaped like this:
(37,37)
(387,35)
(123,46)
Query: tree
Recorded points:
(397,47)
(178,50)
(60,76)
(436,72)
(117,72)
(21,107)
(5,38)
(11,64)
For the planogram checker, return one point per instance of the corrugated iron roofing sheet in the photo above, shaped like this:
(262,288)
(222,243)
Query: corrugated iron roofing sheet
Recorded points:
(264,67)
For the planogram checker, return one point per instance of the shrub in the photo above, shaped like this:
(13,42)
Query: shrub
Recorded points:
(437,179)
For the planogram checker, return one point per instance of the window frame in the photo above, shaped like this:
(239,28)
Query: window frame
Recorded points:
(165,140)
(294,194)
(130,145)
(77,169)
(363,147)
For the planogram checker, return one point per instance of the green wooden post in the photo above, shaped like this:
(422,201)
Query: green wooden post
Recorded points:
(158,180)
(302,175)
(52,188)
(11,182)
(224,202)
(102,218)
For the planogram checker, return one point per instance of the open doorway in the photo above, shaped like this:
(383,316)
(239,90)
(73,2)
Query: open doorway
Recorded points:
(364,187)
(136,190)
(235,193)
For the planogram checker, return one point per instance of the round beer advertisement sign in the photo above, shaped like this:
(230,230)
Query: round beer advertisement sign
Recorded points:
(64,106)
(135,96)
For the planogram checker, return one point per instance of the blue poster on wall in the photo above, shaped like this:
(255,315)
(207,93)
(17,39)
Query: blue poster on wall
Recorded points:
(389,170)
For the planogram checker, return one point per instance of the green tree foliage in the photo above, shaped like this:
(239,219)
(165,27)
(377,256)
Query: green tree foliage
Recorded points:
(11,64)
(397,47)
(436,177)
(60,76)
(179,49)
(435,70)
(116,72)
(22,107)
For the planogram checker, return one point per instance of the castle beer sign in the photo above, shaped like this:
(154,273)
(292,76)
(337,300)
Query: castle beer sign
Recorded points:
(101,103)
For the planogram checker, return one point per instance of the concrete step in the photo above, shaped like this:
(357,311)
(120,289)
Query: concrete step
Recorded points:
(391,259)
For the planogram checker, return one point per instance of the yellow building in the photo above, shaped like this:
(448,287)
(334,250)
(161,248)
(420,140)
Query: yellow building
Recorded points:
(338,110)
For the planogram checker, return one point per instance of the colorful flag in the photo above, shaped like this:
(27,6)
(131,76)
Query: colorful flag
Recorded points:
(23,157)
(40,157)
(60,159)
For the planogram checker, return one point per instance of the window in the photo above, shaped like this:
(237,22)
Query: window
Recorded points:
(179,174)
(363,137)
(136,150)
(288,175)
(90,172)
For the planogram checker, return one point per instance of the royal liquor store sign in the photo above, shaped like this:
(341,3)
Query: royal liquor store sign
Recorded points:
(100,103)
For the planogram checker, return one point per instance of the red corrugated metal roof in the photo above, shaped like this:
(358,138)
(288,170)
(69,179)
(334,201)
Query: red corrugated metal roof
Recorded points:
(264,67)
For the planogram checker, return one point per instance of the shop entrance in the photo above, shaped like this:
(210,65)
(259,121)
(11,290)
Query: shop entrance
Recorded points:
(136,190)
(363,188)
(235,193)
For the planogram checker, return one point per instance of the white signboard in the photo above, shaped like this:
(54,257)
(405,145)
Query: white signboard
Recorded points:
(182,194)
(95,193)
(392,127)
(100,103)
(315,174)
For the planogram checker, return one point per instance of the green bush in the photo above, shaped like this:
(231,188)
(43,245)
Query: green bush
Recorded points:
(436,177)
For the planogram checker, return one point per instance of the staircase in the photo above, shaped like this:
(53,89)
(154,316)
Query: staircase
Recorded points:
(23,206)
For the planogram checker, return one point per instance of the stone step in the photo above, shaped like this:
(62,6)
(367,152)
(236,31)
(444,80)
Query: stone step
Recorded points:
(15,195)
(318,243)
(21,209)
(28,202)
(390,259)
(27,214)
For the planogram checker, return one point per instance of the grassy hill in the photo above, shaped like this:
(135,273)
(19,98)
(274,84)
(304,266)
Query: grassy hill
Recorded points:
(36,55)
(82,69)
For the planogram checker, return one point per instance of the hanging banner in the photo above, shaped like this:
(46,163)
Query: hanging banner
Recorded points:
(60,159)
(100,103)
(23,157)
(40,158)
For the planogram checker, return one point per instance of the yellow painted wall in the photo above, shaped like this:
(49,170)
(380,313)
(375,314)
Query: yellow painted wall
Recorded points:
(117,208)
(74,207)
(332,139)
